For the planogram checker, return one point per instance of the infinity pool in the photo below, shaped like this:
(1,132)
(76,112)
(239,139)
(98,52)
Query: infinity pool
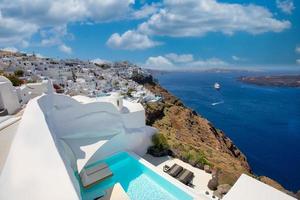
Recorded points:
(139,182)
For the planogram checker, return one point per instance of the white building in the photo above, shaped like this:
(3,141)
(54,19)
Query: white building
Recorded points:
(248,188)
(8,96)
(59,135)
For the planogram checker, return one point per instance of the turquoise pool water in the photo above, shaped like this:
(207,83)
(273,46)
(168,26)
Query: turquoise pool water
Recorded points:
(139,182)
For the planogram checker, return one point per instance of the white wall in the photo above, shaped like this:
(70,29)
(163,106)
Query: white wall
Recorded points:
(137,142)
(23,94)
(134,119)
(73,119)
(34,169)
(9,97)
(37,89)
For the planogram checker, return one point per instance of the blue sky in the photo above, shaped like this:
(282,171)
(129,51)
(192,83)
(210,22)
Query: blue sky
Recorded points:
(157,34)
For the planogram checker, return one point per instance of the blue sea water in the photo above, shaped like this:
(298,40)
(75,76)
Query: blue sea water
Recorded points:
(264,122)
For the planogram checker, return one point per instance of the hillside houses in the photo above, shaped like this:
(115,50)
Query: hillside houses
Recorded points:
(78,77)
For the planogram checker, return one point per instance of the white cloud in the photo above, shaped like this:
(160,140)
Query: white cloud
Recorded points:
(159,62)
(55,36)
(65,49)
(57,12)
(286,6)
(180,58)
(199,17)
(14,31)
(24,44)
(130,40)
(38,55)
(100,61)
(11,49)
(208,63)
(298,61)
(237,58)
(168,62)
(19,19)
(146,11)
(297,49)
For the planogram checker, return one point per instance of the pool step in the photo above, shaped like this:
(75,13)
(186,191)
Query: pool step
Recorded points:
(94,175)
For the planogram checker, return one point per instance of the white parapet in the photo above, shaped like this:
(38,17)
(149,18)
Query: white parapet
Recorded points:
(23,94)
(37,89)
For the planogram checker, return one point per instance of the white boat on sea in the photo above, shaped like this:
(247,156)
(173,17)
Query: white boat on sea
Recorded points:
(217,103)
(217,86)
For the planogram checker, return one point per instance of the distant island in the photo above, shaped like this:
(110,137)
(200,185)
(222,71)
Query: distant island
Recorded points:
(278,81)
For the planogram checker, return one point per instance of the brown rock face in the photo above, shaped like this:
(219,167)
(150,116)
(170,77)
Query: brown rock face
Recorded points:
(222,190)
(298,195)
(187,131)
(213,184)
(271,182)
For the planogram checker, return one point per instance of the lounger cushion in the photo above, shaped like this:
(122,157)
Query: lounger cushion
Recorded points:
(185,176)
(175,170)
(95,168)
(89,180)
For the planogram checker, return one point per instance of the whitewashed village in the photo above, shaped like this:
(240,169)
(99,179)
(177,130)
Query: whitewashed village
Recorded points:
(76,77)
(73,129)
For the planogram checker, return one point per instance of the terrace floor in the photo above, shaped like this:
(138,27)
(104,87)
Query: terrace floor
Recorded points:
(200,180)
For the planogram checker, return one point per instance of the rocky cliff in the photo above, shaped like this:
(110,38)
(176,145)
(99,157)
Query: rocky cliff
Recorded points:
(188,133)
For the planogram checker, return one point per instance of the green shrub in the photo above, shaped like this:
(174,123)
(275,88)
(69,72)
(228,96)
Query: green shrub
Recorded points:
(14,80)
(195,156)
(19,73)
(160,142)
(201,158)
(187,155)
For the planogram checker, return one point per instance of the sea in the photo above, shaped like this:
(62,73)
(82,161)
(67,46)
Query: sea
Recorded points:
(263,121)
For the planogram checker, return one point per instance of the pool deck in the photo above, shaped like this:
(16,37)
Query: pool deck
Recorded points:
(200,180)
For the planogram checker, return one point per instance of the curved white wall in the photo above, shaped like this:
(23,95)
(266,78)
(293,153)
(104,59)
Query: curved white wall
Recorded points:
(73,119)
(134,119)
(34,169)
(137,142)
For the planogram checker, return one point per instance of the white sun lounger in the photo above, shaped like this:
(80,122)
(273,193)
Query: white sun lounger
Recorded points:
(96,177)
(116,192)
